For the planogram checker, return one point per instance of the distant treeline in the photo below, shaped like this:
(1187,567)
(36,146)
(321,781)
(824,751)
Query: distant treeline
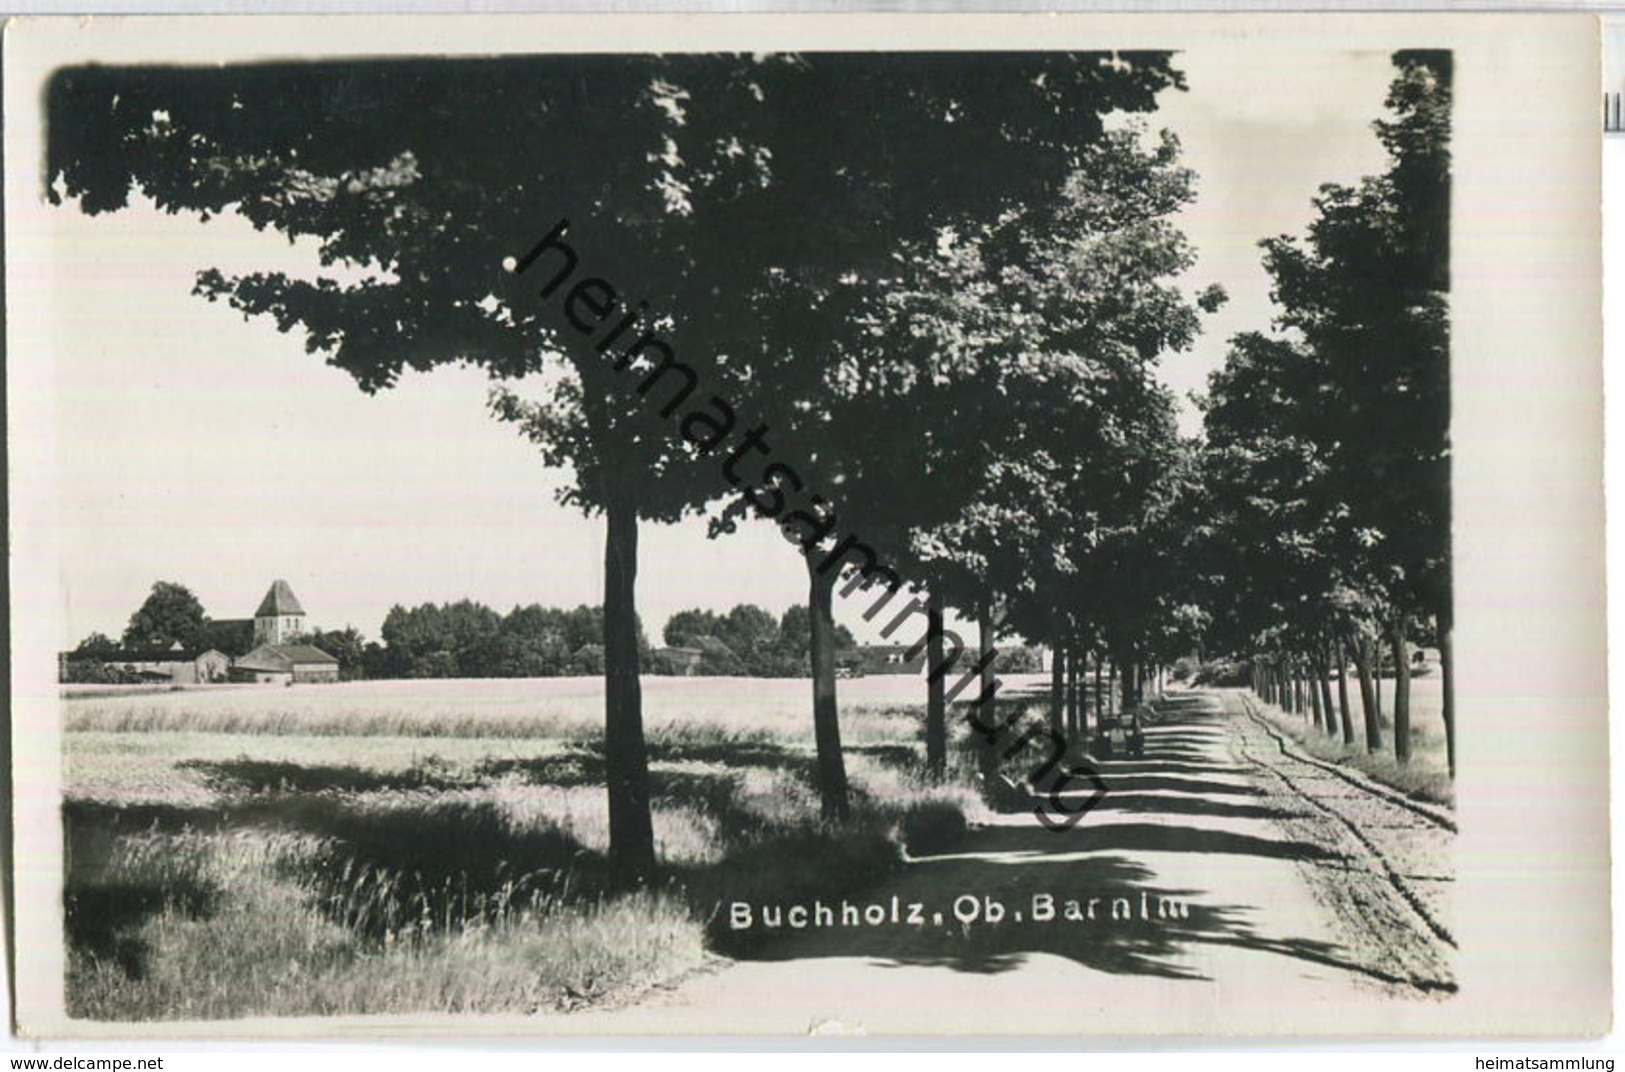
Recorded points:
(469,639)
(746,641)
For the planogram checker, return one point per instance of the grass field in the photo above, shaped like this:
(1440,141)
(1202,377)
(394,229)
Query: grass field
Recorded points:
(501,708)
(1426,776)
(439,845)
(390,847)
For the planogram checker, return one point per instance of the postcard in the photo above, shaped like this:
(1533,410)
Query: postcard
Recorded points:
(736,525)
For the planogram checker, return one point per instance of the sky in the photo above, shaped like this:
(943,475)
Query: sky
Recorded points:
(194,446)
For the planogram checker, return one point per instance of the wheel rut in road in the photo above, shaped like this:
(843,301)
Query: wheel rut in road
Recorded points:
(1390,893)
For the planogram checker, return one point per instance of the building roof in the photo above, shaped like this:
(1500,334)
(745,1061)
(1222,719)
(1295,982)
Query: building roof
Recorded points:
(710,645)
(282,658)
(279,600)
(305,653)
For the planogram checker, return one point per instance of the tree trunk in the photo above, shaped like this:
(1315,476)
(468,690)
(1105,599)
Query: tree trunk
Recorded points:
(1447,670)
(1111,688)
(1364,650)
(1080,691)
(626,755)
(1060,698)
(989,748)
(1343,690)
(1319,713)
(936,705)
(1075,712)
(1376,674)
(1100,699)
(1402,692)
(1131,672)
(1323,673)
(826,715)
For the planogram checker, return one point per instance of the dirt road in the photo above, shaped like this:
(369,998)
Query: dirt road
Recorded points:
(1220,872)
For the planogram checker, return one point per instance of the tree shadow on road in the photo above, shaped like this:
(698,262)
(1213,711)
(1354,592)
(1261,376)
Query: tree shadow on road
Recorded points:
(1137,836)
(1122,921)
(1126,918)
(1146,804)
(1118,781)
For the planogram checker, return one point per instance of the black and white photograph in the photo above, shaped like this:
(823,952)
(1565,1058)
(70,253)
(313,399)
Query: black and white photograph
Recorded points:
(1061,526)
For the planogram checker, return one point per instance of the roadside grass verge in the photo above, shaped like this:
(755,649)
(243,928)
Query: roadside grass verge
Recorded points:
(230,930)
(355,875)
(1425,778)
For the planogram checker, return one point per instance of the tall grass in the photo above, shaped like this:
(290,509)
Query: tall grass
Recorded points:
(320,880)
(263,945)
(1426,777)
(873,710)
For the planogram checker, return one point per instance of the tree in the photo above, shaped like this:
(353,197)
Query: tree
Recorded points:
(1368,291)
(468,639)
(750,632)
(449,640)
(1039,329)
(687,626)
(230,637)
(832,367)
(747,640)
(1333,439)
(532,643)
(95,646)
(1277,512)
(346,645)
(683,174)
(793,644)
(170,615)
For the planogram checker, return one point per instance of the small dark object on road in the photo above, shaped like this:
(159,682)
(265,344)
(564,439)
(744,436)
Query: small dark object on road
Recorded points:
(1124,736)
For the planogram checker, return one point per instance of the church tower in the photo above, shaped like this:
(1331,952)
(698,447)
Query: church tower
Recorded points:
(280,617)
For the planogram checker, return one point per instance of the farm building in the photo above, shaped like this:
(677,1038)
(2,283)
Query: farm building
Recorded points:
(285,663)
(238,649)
(890,659)
(176,665)
(702,656)
(676,661)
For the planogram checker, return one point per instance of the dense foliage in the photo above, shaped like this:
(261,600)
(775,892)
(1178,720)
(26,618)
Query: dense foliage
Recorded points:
(951,341)
(1328,452)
